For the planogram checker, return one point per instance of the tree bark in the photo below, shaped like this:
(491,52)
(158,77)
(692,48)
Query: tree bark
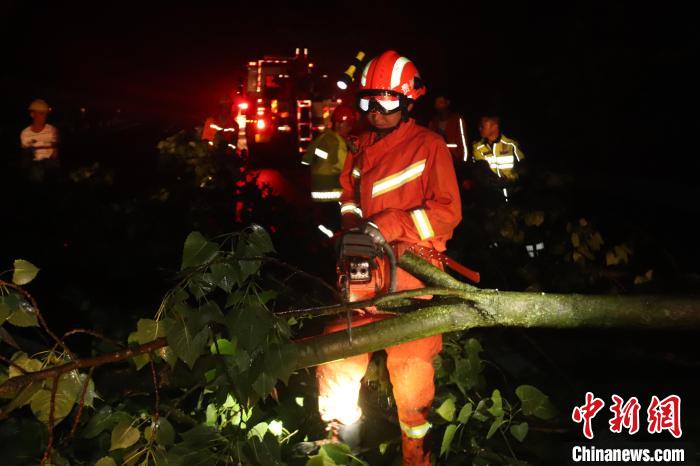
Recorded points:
(456,306)
(489,308)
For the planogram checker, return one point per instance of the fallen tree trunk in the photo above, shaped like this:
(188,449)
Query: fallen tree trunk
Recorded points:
(489,308)
(457,306)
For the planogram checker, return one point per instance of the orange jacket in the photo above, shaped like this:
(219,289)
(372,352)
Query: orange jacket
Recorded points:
(455,135)
(405,183)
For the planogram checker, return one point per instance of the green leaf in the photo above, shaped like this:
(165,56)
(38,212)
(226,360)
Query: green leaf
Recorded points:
(447,409)
(4,310)
(104,419)
(148,330)
(41,405)
(280,361)
(321,459)
(24,272)
(168,355)
(226,347)
(260,239)
(498,422)
(481,412)
(535,403)
(25,362)
(249,325)
(199,318)
(24,316)
(496,408)
(226,275)
(195,450)
(465,413)
(264,384)
(106,461)
(165,434)
(519,431)
(338,452)
(197,250)
(258,430)
(124,435)
(447,438)
(186,345)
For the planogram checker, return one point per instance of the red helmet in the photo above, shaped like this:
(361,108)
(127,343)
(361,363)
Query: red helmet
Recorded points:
(344,113)
(392,72)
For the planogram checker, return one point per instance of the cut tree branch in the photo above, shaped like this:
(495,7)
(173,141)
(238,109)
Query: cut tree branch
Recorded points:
(466,307)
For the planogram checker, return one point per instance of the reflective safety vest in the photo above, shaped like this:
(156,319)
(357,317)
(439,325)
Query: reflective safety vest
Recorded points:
(501,156)
(326,155)
(213,127)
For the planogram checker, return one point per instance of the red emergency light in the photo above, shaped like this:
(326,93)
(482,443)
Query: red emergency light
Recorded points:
(243,105)
(261,124)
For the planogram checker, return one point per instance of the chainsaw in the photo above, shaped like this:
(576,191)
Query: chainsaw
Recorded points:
(358,259)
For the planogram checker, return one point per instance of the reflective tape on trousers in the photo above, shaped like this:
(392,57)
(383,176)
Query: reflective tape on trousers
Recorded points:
(416,431)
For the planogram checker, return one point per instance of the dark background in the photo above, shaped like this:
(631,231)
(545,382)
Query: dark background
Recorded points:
(602,92)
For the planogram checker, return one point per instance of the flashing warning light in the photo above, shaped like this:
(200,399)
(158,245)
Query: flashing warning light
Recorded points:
(261,124)
(243,105)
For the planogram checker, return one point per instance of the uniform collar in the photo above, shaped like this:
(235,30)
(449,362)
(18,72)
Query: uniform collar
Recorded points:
(375,150)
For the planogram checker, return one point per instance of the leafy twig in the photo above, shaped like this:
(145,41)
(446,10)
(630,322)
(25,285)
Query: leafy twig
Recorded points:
(81,405)
(39,315)
(52,413)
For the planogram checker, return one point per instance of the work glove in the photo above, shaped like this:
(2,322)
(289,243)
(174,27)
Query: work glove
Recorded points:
(372,230)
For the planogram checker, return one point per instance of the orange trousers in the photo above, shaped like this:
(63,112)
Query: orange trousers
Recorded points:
(410,367)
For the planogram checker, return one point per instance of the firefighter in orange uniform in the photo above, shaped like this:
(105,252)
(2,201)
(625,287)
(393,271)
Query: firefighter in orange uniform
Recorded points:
(450,125)
(222,128)
(400,188)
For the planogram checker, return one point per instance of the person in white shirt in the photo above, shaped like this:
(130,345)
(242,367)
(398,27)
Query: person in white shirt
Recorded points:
(40,137)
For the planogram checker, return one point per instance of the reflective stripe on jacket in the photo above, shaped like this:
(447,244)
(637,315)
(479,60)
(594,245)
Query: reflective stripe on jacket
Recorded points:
(501,156)
(455,135)
(405,183)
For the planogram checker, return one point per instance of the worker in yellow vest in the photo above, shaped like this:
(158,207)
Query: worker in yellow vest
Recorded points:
(326,156)
(501,154)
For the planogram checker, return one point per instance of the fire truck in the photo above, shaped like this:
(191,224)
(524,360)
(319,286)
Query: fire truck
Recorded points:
(285,103)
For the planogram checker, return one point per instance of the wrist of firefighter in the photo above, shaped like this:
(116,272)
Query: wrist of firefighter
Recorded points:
(350,221)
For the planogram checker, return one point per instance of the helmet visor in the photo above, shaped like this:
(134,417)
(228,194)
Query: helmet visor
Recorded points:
(384,102)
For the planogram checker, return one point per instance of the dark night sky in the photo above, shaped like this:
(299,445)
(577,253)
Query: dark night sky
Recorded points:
(604,77)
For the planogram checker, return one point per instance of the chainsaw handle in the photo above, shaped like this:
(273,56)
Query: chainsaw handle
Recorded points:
(392,266)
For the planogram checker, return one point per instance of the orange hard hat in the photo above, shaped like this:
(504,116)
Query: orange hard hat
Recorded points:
(392,72)
(344,113)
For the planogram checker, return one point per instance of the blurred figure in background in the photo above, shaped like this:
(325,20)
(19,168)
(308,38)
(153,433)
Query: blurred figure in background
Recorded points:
(326,155)
(222,128)
(451,127)
(40,141)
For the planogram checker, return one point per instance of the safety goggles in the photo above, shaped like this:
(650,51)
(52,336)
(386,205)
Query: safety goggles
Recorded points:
(384,102)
